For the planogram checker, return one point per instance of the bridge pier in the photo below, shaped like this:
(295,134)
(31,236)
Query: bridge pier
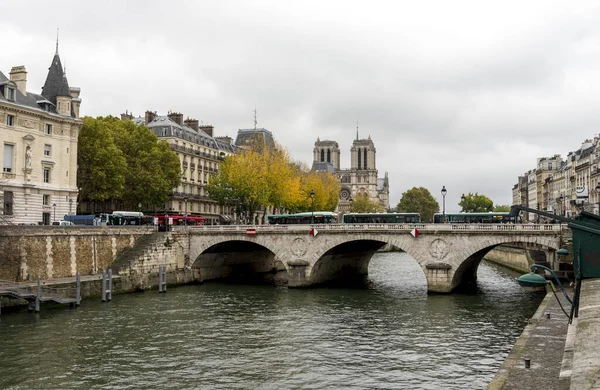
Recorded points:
(297,271)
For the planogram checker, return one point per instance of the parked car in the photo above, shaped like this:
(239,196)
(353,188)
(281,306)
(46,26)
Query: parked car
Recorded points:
(63,223)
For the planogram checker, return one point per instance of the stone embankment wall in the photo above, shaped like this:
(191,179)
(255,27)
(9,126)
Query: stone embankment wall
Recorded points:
(56,252)
(517,259)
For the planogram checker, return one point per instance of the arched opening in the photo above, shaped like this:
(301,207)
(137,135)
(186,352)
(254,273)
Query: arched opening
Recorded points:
(239,262)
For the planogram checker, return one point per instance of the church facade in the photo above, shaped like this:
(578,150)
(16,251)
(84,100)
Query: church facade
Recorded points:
(360,178)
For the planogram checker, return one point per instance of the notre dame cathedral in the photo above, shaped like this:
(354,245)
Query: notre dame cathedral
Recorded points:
(360,178)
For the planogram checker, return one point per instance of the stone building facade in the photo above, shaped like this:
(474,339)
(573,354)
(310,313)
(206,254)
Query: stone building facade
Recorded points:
(360,178)
(200,154)
(39,135)
(564,187)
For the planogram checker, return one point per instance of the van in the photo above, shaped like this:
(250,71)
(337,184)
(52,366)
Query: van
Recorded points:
(63,223)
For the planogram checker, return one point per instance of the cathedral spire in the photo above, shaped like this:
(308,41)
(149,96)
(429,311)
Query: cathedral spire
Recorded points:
(357,130)
(56,42)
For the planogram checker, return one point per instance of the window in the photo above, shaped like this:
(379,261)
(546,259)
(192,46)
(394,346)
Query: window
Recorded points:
(46,200)
(47,150)
(8,157)
(48,129)
(10,120)
(46,175)
(11,94)
(8,203)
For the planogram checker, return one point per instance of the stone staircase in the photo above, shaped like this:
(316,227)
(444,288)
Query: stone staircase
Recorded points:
(142,247)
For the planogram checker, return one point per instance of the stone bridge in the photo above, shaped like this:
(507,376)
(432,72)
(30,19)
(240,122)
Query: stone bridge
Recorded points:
(449,255)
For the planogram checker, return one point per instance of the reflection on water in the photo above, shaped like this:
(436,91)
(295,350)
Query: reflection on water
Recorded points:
(386,334)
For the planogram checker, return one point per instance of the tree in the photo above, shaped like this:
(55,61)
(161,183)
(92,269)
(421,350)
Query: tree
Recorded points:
(362,204)
(265,176)
(476,203)
(121,159)
(101,164)
(501,208)
(418,200)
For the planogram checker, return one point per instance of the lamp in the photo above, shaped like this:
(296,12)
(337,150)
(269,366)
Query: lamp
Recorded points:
(462,200)
(70,206)
(54,206)
(312,207)
(444,192)
(535,280)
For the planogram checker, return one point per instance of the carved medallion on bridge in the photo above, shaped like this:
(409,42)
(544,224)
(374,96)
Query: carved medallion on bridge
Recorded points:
(439,249)
(298,247)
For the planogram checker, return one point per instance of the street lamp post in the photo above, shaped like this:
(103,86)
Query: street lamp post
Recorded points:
(70,206)
(444,192)
(462,199)
(54,206)
(312,207)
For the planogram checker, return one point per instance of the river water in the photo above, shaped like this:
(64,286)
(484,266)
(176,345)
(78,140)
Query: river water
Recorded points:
(387,334)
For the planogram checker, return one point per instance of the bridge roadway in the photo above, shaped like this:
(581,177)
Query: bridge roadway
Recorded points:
(448,254)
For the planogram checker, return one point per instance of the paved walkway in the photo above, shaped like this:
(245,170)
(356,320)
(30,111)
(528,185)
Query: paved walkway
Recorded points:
(543,342)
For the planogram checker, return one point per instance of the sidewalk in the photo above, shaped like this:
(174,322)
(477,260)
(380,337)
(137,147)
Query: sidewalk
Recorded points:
(543,342)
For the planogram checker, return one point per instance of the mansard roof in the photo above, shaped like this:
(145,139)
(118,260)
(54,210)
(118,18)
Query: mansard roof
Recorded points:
(31,100)
(56,82)
(246,137)
(163,126)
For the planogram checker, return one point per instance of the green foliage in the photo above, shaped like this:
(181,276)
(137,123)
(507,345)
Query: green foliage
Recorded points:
(501,208)
(476,203)
(362,204)
(101,164)
(419,200)
(121,159)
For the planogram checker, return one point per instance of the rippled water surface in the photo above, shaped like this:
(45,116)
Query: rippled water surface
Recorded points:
(388,334)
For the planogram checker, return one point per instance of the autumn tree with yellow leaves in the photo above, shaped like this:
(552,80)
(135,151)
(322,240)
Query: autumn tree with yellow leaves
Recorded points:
(362,204)
(261,176)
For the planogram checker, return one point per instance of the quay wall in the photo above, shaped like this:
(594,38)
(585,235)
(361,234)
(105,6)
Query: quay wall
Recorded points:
(56,252)
(517,259)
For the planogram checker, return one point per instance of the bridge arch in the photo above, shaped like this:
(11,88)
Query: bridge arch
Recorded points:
(465,271)
(238,256)
(348,257)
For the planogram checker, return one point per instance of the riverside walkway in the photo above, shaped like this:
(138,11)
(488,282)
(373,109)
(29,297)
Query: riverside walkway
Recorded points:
(562,356)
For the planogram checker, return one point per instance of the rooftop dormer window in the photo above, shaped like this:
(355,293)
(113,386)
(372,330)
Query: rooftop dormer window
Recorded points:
(11,94)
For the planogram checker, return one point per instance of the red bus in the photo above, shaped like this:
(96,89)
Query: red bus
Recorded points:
(180,220)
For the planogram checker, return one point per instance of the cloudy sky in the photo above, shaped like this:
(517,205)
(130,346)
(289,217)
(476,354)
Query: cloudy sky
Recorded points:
(465,94)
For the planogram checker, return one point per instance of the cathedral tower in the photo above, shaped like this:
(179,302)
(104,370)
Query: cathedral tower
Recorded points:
(327,152)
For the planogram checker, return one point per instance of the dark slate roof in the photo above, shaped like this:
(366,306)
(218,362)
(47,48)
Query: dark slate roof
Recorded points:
(32,100)
(163,126)
(246,137)
(319,166)
(56,83)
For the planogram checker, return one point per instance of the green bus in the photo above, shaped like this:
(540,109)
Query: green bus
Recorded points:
(308,218)
(381,218)
(491,217)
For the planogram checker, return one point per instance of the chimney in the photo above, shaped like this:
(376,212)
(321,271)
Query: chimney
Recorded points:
(208,129)
(226,139)
(18,74)
(176,117)
(149,117)
(193,123)
(127,116)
